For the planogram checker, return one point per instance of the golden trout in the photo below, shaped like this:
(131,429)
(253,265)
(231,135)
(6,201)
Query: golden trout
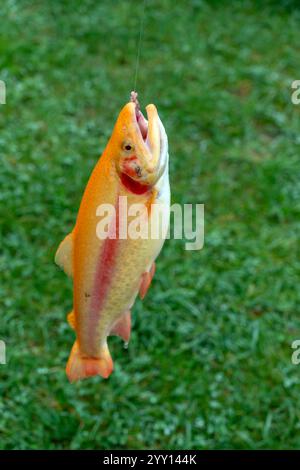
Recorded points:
(109,271)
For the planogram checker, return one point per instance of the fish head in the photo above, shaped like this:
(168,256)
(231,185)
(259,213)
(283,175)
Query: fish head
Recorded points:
(139,147)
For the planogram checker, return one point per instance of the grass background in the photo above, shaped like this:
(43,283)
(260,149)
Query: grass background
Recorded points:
(209,363)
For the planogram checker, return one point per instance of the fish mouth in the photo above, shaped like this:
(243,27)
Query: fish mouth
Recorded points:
(149,129)
(142,123)
(142,170)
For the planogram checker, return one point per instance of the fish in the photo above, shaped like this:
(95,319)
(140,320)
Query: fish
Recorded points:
(109,271)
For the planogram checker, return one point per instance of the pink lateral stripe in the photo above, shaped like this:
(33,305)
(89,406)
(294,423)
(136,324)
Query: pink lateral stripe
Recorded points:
(104,272)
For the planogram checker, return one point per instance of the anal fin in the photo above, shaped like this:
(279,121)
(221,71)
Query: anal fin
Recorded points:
(122,327)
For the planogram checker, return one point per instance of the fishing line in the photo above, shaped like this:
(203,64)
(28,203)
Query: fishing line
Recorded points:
(137,63)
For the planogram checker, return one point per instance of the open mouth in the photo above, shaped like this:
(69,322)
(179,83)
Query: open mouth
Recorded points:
(140,119)
(140,175)
(149,129)
(142,123)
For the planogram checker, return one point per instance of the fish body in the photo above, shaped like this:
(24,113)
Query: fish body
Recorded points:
(109,271)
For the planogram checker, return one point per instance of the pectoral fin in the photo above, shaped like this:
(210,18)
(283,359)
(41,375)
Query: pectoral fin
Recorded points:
(71,319)
(64,255)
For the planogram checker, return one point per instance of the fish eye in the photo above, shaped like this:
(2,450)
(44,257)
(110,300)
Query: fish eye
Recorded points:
(127,146)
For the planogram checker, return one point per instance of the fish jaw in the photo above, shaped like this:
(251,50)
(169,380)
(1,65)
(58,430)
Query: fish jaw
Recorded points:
(136,145)
(153,135)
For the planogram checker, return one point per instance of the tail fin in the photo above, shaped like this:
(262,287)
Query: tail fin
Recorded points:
(79,367)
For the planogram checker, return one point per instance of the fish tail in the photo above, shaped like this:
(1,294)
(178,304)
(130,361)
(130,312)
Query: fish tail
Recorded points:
(79,367)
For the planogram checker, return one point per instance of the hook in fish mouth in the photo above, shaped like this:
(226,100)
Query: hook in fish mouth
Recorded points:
(140,119)
(149,129)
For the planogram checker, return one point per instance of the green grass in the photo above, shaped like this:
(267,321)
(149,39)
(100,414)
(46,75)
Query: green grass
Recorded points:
(209,363)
